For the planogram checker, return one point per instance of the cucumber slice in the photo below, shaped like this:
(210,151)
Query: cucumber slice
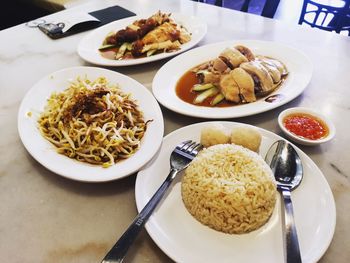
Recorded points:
(104,47)
(121,51)
(218,98)
(200,87)
(205,94)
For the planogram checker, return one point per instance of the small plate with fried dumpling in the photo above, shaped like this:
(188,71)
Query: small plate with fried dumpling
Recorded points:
(242,79)
(185,239)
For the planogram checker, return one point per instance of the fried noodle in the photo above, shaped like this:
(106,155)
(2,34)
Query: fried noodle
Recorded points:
(93,122)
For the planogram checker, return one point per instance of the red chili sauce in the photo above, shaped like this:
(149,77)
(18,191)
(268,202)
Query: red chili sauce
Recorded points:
(306,126)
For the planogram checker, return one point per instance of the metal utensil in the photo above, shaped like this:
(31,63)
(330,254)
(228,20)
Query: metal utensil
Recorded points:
(288,170)
(180,158)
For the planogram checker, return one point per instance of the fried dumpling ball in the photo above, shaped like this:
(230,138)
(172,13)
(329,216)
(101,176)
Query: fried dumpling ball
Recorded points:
(214,134)
(247,137)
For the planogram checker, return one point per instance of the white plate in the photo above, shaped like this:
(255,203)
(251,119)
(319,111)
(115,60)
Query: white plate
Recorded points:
(184,239)
(89,45)
(164,82)
(45,153)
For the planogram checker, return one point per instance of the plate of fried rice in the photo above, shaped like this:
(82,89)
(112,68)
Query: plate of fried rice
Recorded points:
(179,225)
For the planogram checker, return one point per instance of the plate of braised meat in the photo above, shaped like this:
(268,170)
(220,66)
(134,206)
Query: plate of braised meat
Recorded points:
(141,39)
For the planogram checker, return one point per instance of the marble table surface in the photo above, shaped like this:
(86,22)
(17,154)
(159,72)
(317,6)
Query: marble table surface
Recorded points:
(47,218)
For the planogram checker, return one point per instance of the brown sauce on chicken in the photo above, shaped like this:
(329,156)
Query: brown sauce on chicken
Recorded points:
(235,77)
(189,79)
(185,93)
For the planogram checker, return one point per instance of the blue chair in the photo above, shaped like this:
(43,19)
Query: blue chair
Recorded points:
(269,8)
(326,15)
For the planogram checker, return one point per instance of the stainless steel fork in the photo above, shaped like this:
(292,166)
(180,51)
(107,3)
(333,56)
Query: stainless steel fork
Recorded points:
(180,158)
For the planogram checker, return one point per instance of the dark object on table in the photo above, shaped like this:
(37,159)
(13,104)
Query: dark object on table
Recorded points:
(268,8)
(104,16)
(330,16)
(15,12)
(111,14)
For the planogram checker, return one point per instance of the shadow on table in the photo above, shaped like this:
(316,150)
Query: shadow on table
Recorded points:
(134,69)
(92,189)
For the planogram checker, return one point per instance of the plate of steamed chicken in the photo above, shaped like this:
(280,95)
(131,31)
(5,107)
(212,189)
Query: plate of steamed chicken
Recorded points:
(141,39)
(232,79)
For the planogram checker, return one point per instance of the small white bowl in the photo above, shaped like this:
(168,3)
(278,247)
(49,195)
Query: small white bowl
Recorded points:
(302,140)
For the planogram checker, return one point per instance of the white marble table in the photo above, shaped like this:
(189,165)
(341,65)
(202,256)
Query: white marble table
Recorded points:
(46,218)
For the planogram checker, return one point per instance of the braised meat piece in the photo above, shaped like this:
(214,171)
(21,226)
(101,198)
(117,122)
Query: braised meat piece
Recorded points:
(145,37)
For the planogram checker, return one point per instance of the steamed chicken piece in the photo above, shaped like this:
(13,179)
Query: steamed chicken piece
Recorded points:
(273,71)
(232,57)
(206,76)
(276,69)
(245,84)
(240,75)
(261,74)
(245,52)
(274,62)
(219,65)
(229,88)
(237,85)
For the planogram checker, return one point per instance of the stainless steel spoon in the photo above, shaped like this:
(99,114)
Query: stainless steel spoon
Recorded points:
(288,170)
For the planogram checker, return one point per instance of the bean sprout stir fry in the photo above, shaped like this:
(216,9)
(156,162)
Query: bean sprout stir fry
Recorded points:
(93,122)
